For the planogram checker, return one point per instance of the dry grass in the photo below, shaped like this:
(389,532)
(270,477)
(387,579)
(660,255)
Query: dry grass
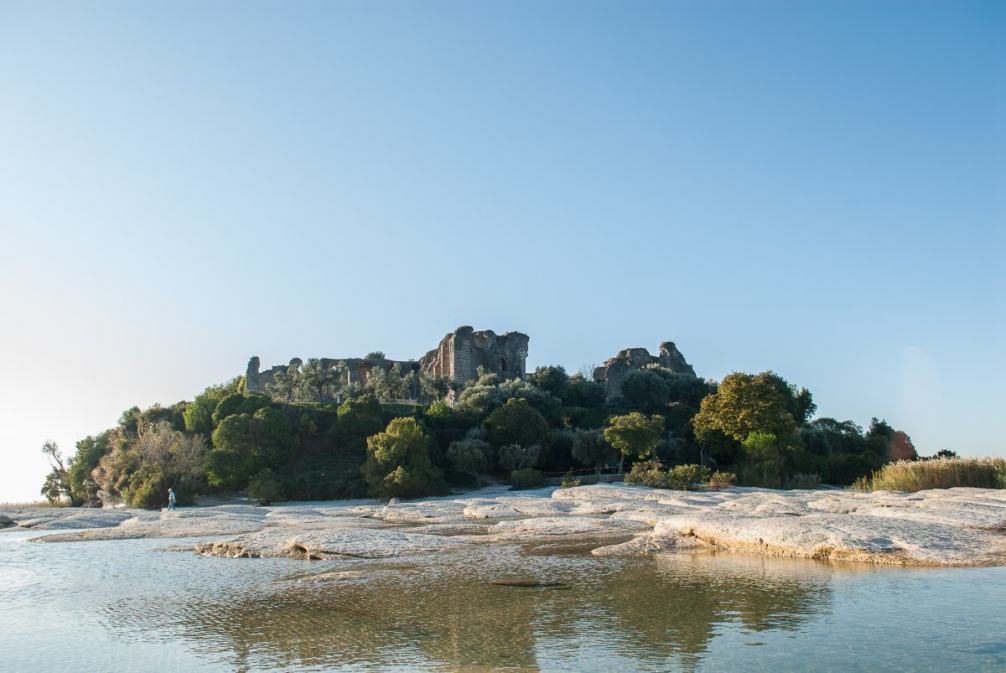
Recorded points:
(919,475)
(26,505)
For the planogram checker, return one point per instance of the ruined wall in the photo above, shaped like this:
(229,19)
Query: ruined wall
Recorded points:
(613,372)
(460,354)
(457,357)
(356,370)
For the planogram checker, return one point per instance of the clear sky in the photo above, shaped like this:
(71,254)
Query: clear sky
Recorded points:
(811,187)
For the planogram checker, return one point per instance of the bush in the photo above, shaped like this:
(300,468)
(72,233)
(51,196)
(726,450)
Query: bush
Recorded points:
(682,477)
(647,473)
(527,477)
(569,481)
(398,462)
(720,480)
(937,473)
(803,480)
(265,488)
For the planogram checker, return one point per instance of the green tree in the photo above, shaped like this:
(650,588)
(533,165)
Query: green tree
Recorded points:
(634,435)
(57,482)
(744,403)
(583,392)
(398,462)
(766,458)
(645,389)
(90,450)
(470,456)
(244,444)
(591,449)
(198,414)
(317,382)
(516,457)
(265,488)
(552,379)
(516,422)
(433,388)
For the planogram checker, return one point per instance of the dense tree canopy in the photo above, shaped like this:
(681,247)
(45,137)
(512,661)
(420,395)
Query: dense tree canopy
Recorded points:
(398,462)
(404,434)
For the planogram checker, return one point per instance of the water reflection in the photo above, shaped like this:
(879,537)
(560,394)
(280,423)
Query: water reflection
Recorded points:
(441,613)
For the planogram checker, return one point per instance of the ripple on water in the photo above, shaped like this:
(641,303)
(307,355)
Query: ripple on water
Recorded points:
(123,605)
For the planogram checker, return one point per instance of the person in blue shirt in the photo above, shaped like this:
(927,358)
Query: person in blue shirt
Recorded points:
(171,498)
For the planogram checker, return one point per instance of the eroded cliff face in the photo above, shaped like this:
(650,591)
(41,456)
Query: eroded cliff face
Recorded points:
(460,354)
(614,370)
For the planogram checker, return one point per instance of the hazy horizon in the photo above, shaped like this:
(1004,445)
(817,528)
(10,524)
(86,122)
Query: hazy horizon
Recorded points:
(815,189)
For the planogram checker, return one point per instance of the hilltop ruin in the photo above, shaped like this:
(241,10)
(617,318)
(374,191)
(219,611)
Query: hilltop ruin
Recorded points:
(462,353)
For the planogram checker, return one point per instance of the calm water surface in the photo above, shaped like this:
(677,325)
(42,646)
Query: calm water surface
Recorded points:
(131,606)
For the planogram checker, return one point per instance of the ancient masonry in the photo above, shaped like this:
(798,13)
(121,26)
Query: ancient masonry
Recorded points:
(464,351)
(613,372)
(457,358)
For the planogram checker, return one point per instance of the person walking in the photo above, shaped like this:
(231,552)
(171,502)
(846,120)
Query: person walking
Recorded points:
(171,498)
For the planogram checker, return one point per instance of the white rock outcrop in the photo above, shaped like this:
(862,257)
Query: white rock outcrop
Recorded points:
(952,527)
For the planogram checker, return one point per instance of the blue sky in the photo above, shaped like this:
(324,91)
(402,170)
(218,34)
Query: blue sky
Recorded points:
(814,188)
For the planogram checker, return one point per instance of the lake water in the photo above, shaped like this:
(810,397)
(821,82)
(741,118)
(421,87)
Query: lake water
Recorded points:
(131,606)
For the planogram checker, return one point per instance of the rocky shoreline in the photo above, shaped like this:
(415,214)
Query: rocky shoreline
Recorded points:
(952,527)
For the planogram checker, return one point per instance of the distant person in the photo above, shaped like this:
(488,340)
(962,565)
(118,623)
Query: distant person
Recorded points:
(171,498)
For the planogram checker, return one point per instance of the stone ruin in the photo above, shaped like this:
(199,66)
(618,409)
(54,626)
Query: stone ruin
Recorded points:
(461,354)
(457,358)
(613,372)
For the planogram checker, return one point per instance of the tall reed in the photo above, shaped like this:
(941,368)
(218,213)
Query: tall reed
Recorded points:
(919,475)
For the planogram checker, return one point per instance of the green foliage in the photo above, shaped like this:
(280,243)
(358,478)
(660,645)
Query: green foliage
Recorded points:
(239,403)
(685,477)
(745,404)
(570,481)
(581,392)
(470,456)
(721,480)
(265,488)
(198,414)
(147,488)
(647,473)
(591,449)
(634,435)
(645,389)
(244,444)
(766,457)
(57,482)
(398,462)
(358,419)
(516,422)
(517,457)
(552,380)
(527,477)
(488,393)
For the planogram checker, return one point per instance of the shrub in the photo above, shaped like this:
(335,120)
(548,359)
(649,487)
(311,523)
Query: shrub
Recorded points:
(265,488)
(527,477)
(937,473)
(803,480)
(720,480)
(682,477)
(516,457)
(647,473)
(569,481)
(398,462)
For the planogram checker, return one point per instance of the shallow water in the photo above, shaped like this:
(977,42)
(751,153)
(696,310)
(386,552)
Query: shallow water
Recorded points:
(130,606)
